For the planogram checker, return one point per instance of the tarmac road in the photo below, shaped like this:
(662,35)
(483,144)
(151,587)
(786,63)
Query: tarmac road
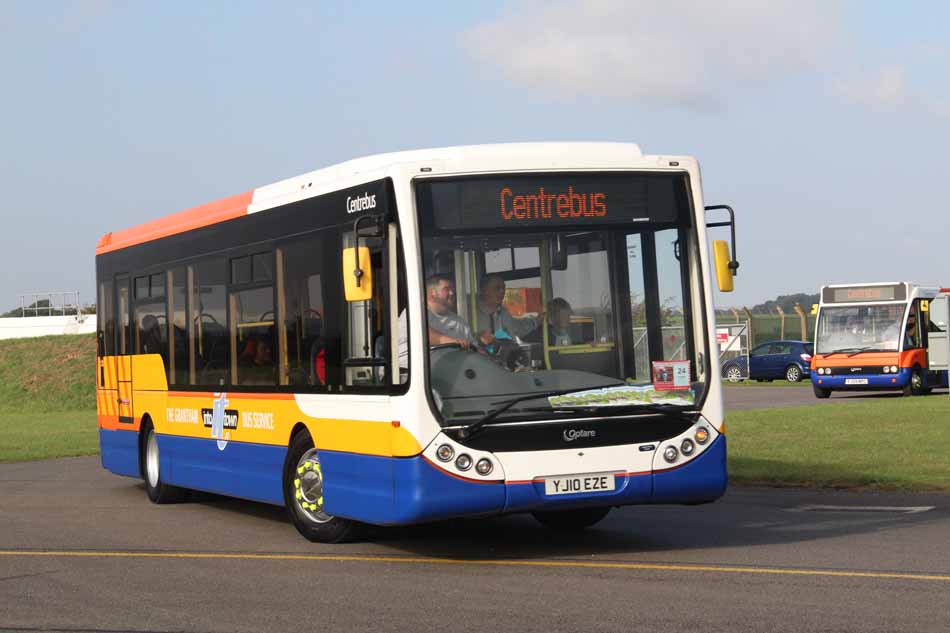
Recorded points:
(764,397)
(84,550)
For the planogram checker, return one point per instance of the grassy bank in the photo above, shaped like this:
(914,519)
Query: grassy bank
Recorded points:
(48,397)
(893,443)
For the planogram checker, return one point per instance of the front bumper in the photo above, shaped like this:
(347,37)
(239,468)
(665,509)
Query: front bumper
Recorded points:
(873,381)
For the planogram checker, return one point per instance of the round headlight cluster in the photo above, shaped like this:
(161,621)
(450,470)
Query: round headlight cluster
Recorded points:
(483,466)
(702,435)
(890,369)
(670,454)
(687,447)
(822,371)
(445,453)
(464,461)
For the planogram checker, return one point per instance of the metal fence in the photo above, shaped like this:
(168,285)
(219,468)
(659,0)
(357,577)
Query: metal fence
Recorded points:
(58,303)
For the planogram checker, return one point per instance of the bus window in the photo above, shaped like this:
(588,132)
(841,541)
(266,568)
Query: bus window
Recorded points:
(106,318)
(210,317)
(252,331)
(180,361)
(638,306)
(124,338)
(303,336)
(670,280)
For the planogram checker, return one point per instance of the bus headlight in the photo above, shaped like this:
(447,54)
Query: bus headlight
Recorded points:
(445,453)
(887,369)
(702,435)
(687,447)
(464,462)
(483,466)
(893,369)
(670,454)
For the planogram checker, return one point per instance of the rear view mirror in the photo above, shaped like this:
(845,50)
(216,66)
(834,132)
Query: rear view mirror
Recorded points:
(557,252)
(357,274)
(723,271)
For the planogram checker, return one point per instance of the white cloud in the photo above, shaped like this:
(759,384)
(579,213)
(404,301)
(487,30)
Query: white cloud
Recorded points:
(889,88)
(666,51)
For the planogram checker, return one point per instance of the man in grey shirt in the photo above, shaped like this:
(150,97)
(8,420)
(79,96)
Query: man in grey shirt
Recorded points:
(445,325)
(493,316)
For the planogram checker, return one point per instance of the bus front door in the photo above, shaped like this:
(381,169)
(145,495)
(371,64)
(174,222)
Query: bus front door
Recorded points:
(123,350)
(938,333)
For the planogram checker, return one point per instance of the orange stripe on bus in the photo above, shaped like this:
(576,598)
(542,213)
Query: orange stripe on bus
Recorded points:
(233,394)
(188,220)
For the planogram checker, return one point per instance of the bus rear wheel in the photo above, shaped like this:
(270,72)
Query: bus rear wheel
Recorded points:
(821,392)
(157,490)
(571,520)
(303,495)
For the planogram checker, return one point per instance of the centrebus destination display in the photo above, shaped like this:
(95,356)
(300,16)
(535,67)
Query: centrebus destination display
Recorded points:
(861,294)
(537,201)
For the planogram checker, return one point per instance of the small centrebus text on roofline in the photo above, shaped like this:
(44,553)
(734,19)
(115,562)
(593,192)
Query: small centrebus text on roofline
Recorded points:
(877,337)
(415,336)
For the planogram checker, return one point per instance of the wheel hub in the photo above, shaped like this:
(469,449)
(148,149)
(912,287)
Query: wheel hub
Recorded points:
(308,487)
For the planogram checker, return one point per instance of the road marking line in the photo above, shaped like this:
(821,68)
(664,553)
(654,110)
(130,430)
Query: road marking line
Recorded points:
(778,571)
(894,509)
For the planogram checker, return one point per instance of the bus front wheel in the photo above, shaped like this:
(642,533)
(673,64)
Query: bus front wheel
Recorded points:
(571,520)
(821,392)
(303,495)
(915,385)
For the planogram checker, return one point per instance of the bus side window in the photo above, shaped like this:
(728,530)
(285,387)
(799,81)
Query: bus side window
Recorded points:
(106,319)
(210,319)
(306,337)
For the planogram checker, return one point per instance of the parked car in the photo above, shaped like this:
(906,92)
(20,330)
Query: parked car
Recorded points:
(790,360)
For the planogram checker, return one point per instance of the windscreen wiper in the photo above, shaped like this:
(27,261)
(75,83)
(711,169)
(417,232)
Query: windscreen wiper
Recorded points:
(474,427)
(840,351)
(869,348)
(662,409)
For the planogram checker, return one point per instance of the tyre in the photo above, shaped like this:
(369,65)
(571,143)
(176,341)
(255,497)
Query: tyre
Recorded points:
(793,373)
(821,392)
(157,490)
(915,386)
(303,494)
(571,520)
(733,373)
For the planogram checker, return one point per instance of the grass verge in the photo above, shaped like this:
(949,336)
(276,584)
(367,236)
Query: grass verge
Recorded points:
(778,382)
(25,436)
(887,444)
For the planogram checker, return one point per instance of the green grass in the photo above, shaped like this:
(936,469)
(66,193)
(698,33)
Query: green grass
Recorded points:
(778,382)
(46,374)
(25,436)
(888,444)
(48,397)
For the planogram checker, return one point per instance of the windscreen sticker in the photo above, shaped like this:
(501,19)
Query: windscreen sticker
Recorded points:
(622,396)
(671,375)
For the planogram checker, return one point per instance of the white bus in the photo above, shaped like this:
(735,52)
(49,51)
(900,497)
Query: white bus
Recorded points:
(421,335)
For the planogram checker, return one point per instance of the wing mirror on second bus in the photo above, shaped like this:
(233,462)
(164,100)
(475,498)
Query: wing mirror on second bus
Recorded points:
(726,264)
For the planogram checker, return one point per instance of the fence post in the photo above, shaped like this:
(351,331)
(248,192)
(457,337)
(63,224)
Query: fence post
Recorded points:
(735,314)
(781,314)
(748,316)
(800,311)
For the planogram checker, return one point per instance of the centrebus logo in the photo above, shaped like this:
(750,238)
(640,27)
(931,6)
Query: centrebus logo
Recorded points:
(574,434)
(360,203)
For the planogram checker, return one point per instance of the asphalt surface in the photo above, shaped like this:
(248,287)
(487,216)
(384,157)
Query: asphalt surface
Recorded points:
(765,397)
(84,550)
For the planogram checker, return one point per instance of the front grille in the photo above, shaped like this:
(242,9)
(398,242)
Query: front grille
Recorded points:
(856,370)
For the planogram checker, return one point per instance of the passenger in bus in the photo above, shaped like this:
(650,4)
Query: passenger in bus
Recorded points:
(151,336)
(559,320)
(445,325)
(494,317)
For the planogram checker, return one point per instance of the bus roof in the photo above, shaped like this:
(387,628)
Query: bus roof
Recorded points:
(459,159)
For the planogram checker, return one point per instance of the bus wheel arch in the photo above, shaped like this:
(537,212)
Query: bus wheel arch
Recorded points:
(150,467)
(302,483)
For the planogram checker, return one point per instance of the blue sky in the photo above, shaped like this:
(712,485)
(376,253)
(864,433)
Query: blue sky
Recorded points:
(822,123)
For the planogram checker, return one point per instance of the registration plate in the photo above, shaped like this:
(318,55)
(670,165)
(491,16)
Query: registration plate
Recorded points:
(855,381)
(574,484)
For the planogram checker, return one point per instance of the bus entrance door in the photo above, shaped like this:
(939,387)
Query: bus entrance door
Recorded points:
(123,358)
(938,335)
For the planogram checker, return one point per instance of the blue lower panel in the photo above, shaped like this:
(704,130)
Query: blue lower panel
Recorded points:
(875,381)
(249,471)
(119,452)
(703,479)
(406,490)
